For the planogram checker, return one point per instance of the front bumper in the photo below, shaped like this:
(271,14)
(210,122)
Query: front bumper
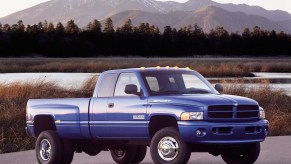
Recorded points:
(223,132)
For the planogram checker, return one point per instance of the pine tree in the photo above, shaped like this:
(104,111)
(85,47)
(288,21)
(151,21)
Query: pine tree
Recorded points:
(108,28)
(51,27)
(14,28)
(45,25)
(246,33)
(127,27)
(72,28)
(89,27)
(96,26)
(154,30)
(6,28)
(60,27)
(144,28)
(118,30)
(21,27)
(40,27)
(167,31)
(256,31)
(198,31)
(28,29)
(32,28)
(220,32)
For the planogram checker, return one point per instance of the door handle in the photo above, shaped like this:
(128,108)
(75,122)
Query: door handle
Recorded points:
(110,105)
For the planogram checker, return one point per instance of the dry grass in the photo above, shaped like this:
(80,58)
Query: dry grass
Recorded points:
(209,67)
(276,104)
(13,99)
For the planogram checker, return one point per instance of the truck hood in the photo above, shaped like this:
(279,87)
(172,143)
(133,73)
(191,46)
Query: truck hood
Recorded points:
(202,100)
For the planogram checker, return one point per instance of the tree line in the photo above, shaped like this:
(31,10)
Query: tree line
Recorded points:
(56,40)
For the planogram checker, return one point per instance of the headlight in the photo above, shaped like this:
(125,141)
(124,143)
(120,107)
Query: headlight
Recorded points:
(262,113)
(186,116)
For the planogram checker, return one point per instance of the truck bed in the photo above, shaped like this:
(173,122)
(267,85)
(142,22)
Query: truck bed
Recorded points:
(70,115)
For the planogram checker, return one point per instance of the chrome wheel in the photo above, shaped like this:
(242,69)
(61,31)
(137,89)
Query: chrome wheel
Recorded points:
(168,148)
(45,150)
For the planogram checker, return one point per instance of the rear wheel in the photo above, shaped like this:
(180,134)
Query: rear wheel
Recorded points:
(167,146)
(245,154)
(140,154)
(49,148)
(68,154)
(124,154)
(91,150)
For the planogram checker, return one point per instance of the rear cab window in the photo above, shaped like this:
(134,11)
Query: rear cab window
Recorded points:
(107,85)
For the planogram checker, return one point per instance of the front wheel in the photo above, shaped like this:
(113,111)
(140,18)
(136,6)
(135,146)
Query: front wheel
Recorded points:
(167,146)
(245,154)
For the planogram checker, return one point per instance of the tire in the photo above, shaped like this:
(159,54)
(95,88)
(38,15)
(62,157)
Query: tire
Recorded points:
(124,155)
(49,148)
(245,154)
(91,150)
(140,154)
(68,152)
(178,151)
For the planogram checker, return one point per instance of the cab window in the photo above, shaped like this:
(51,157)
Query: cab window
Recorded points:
(125,79)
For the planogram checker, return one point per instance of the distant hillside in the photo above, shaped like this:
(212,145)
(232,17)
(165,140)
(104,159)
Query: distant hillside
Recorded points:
(286,24)
(83,11)
(158,19)
(208,18)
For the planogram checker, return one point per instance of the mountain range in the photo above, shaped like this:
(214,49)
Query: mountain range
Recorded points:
(205,13)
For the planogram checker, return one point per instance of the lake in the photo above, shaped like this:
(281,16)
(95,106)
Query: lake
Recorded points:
(66,80)
(278,81)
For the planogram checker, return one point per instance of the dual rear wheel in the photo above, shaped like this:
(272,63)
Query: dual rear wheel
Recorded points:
(128,154)
(50,149)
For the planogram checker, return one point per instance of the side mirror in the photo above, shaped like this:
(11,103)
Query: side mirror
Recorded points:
(131,89)
(219,87)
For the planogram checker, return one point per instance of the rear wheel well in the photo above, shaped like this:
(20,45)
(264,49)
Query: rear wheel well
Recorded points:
(159,122)
(43,123)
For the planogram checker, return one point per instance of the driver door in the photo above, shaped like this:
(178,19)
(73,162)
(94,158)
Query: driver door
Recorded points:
(127,113)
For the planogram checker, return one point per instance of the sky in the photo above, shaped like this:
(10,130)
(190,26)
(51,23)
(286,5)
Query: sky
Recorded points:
(10,6)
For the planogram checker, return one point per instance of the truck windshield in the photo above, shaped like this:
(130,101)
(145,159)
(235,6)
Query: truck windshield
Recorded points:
(176,82)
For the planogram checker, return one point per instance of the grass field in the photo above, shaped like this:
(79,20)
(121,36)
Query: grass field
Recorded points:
(209,67)
(13,99)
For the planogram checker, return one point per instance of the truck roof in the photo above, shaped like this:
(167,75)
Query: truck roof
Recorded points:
(149,69)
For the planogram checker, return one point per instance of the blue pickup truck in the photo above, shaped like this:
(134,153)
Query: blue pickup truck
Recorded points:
(174,111)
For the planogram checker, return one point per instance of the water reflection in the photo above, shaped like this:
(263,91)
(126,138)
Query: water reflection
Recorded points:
(278,81)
